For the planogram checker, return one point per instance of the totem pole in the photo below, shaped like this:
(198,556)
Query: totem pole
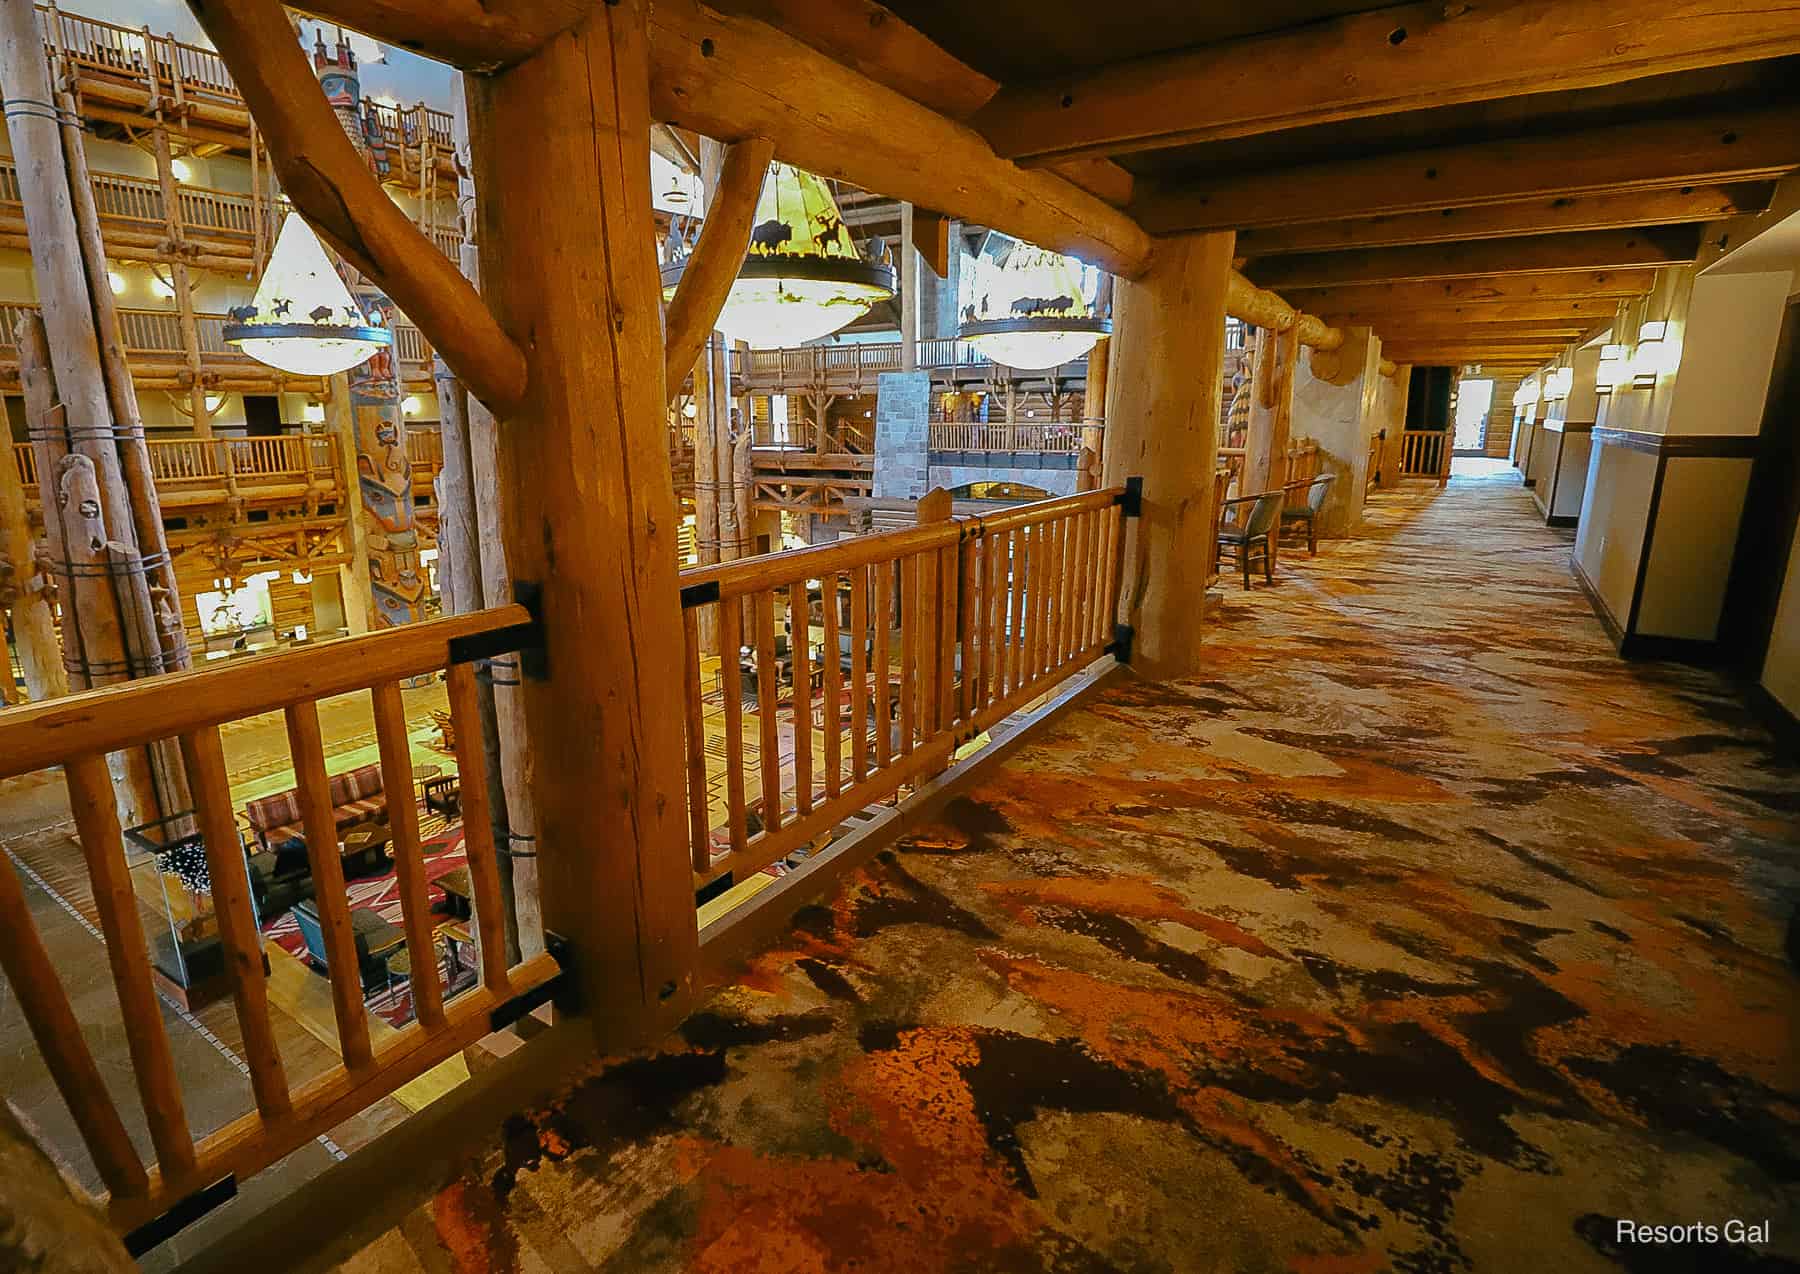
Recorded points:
(384,473)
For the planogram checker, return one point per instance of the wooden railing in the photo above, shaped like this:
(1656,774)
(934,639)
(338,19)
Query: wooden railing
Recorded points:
(1017,436)
(184,70)
(818,364)
(190,461)
(1425,453)
(158,332)
(78,732)
(1372,474)
(126,52)
(929,635)
(1302,467)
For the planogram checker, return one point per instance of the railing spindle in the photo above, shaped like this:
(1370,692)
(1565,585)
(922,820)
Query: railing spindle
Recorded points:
(859,673)
(34,980)
(699,822)
(1017,542)
(910,625)
(832,669)
(731,685)
(800,647)
(344,972)
(883,627)
(409,859)
(204,756)
(768,695)
(478,824)
(103,845)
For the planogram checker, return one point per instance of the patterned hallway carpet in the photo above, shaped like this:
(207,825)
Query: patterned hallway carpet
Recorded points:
(1420,934)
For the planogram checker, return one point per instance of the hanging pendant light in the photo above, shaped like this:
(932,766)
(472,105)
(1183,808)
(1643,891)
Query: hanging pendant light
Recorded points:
(303,319)
(803,276)
(1029,311)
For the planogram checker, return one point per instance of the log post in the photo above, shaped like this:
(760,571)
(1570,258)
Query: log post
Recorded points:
(1271,410)
(1162,415)
(518,837)
(569,266)
(26,589)
(121,394)
(1093,416)
(908,262)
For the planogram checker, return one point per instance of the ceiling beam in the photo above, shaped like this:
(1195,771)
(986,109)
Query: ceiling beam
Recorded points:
(1586,250)
(1558,214)
(1400,327)
(476,35)
(1404,57)
(871,40)
(1589,285)
(1728,146)
(732,77)
(1576,311)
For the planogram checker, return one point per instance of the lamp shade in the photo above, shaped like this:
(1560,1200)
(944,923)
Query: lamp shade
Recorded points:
(303,319)
(803,277)
(1029,311)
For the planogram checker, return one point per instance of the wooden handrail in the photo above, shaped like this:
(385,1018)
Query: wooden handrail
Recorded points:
(134,713)
(993,611)
(79,731)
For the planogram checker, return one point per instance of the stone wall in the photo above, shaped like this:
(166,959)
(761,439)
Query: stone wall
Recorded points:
(902,435)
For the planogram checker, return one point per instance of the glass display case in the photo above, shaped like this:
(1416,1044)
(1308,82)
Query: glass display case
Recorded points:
(172,880)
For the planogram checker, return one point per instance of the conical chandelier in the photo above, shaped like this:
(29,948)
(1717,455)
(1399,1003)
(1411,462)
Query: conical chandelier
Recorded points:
(803,276)
(1029,310)
(303,319)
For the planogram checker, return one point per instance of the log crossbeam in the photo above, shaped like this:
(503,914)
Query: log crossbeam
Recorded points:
(724,237)
(332,186)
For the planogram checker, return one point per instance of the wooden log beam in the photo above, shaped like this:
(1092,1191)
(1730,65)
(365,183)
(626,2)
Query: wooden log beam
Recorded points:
(1727,146)
(1593,286)
(1570,310)
(1403,327)
(724,237)
(871,40)
(476,35)
(341,199)
(1557,214)
(568,253)
(1162,416)
(732,77)
(1262,308)
(1527,254)
(1400,58)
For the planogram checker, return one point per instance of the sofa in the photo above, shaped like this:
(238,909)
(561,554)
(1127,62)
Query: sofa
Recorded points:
(356,797)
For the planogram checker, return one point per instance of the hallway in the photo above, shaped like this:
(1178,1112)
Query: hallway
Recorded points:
(1422,934)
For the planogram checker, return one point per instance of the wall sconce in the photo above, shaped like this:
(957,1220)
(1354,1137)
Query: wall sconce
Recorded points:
(1558,383)
(1652,356)
(410,405)
(313,413)
(1613,369)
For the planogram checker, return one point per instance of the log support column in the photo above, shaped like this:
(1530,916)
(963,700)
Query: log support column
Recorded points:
(1335,405)
(569,266)
(1093,417)
(1162,414)
(1271,410)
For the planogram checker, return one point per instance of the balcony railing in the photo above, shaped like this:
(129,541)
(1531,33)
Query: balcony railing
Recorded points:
(184,70)
(1003,437)
(927,637)
(157,333)
(187,462)
(75,733)
(1425,453)
(822,364)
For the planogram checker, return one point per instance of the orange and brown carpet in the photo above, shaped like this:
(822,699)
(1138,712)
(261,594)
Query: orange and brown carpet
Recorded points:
(1420,934)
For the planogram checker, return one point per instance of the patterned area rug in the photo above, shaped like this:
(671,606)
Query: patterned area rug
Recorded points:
(1420,934)
(443,853)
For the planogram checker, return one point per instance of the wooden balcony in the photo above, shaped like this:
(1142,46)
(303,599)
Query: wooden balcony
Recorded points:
(159,359)
(1059,437)
(192,472)
(218,225)
(854,368)
(119,70)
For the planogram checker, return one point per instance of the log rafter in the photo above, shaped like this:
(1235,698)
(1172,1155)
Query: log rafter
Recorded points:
(1525,254)
(476,35)
(1399,58)
(332,186)
(1722,146)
